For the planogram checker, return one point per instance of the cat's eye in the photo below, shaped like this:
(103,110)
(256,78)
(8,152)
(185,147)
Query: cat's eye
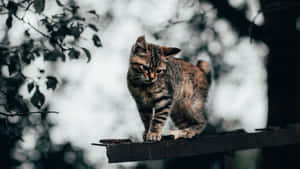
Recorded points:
(138,67)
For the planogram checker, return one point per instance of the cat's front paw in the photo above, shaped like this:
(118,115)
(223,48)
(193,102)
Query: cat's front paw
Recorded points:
(153,136)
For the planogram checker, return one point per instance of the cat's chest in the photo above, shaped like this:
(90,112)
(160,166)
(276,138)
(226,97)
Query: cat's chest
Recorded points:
(146,96)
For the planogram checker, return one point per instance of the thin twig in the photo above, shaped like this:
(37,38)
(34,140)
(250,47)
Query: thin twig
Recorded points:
(27,113)
(34,28)
(26,9)
(40,32)
(28,23)
(4,13)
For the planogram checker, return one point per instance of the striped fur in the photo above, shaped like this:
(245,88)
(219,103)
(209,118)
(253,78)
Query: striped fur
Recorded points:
(169,86)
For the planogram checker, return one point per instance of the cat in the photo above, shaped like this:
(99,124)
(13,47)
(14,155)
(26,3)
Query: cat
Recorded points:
(164,86)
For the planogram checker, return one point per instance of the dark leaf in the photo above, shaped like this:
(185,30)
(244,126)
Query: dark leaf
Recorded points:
(50,56)
(26,33)
(30,86)
(12,7)
(38,99)
(28,45)
(97,41)
(26,58)
(74,8)
(14,82)
(36,53)
(10,101)
(73,53)
(87,53)
(93,12)
(59,3)
(92,26)
(9,21)
(13,65)
(15,102)
(21,105)
(79,18)
(53,55)
(26,51)
(39,5)
(75,30)
(54,38)
(42,70)
(51,82)
(48,24)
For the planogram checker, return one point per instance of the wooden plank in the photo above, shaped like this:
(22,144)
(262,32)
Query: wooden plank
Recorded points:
(202,145)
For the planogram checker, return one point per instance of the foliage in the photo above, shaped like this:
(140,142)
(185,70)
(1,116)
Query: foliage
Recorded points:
(54,38)
(58,39)
(45,154)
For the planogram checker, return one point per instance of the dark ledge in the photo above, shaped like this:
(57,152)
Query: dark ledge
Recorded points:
(126,150)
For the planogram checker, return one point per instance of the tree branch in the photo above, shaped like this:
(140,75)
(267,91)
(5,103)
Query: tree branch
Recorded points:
(237,19)
(22,18)
(34,28)
(27,113)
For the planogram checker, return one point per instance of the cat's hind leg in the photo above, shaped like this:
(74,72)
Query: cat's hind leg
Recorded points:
(188,132)
(189,119)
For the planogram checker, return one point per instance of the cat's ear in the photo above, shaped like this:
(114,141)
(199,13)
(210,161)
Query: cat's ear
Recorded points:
(141,42)
(170,51)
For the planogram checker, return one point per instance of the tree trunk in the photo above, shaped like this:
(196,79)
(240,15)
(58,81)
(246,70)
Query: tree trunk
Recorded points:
(283,78)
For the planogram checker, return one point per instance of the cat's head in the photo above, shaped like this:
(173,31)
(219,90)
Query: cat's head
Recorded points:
(148,61)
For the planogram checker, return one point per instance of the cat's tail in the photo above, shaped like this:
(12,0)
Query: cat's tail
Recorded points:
(204,66)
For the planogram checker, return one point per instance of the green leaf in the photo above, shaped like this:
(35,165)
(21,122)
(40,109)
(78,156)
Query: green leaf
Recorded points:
(51,82)
(30,86)
(87,53)
(9,21)
(38,99)
(97,41)
(73,53)
(39,5)
(93,27)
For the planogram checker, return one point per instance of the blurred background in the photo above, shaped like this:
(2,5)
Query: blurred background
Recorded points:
(93,100)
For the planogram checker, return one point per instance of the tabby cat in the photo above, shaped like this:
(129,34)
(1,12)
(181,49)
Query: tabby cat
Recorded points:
(165,86)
